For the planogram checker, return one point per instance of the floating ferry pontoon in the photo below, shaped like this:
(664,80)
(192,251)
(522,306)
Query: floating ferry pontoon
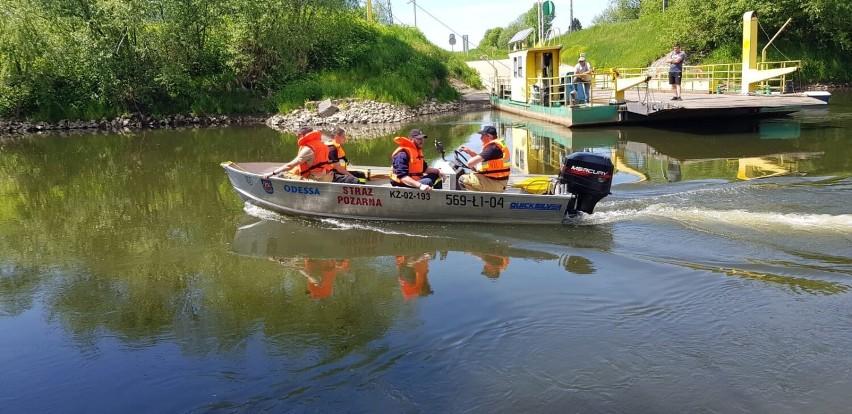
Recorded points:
(536,88)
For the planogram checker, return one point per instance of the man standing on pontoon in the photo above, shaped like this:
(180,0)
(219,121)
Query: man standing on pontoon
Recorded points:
(675,62)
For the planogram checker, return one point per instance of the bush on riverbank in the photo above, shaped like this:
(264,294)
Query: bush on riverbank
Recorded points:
(83,60)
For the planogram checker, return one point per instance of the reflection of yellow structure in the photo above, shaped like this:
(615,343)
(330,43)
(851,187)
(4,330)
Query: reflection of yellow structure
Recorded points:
(621,165)
(646,162)
(751,168)
(540,149)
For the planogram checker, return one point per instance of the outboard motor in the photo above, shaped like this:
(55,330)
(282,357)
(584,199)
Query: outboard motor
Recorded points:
(589,177)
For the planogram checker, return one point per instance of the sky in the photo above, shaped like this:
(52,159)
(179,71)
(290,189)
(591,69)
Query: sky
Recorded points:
(474,17)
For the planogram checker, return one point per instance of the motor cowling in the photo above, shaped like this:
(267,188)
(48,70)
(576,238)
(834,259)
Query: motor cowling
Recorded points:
(589,177)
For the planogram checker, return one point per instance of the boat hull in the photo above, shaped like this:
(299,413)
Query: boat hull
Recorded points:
(383,202)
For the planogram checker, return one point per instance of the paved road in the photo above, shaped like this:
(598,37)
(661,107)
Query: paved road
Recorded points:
(489,68)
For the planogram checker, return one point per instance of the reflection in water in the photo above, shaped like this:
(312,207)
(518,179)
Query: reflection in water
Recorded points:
(578,264)
(320,250)
(116,275)
(413,275)
(539,148)
(492,265)
(685,157)
(733,151)
(320,273)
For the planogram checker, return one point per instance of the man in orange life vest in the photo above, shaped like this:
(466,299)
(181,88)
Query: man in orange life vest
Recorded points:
(409,167)
(493,171)
(337,159)
(311,163)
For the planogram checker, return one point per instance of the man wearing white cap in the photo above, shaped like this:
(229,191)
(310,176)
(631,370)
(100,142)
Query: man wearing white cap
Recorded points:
(583,76)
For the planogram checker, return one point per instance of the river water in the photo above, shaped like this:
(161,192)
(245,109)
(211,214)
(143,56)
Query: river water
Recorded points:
(716,278)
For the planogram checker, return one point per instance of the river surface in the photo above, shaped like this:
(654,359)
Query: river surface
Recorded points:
(716,278)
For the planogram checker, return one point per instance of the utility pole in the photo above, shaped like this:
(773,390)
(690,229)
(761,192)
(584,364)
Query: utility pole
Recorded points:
(540,21)
(414,2)
(570,16)
(369,10)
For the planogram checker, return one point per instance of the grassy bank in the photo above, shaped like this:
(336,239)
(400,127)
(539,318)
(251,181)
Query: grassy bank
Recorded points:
(711,33)
(109,58)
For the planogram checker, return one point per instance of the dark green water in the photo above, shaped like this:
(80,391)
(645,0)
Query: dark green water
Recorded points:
(716,278)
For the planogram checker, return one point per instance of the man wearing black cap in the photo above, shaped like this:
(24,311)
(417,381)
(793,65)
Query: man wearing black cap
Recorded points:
(492,174)
(312,159)
(409,166)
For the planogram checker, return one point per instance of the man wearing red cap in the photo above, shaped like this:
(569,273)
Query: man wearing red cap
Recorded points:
(491,165)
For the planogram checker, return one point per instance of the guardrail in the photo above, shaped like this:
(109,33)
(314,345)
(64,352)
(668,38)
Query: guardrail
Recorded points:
(719,78)
(552,91)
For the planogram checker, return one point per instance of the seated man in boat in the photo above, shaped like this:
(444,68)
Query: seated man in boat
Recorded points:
(337,159)
(311,163)
(409,167)
(492,172)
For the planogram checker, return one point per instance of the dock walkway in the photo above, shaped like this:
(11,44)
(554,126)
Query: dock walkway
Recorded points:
(650,106)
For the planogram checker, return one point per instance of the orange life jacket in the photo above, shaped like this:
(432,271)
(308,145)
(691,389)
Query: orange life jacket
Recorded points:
(416,166)
(341,154)
(499,168)
(313,140)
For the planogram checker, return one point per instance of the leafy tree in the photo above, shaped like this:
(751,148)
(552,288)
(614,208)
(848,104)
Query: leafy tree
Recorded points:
(527,20)
(830,19)
(491,38)
(619,11)
(576,25)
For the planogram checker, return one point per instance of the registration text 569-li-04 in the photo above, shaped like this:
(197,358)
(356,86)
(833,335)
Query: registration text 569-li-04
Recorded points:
(470,200)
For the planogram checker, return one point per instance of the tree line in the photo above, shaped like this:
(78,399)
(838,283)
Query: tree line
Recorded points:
(88,59)
(819,33)
(99,58)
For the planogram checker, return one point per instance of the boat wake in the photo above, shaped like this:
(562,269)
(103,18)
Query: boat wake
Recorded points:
(824,224)
(263,214)
(340,224)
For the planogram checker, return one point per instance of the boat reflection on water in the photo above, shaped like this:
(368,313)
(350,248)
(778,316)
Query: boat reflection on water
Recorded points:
(323,251)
